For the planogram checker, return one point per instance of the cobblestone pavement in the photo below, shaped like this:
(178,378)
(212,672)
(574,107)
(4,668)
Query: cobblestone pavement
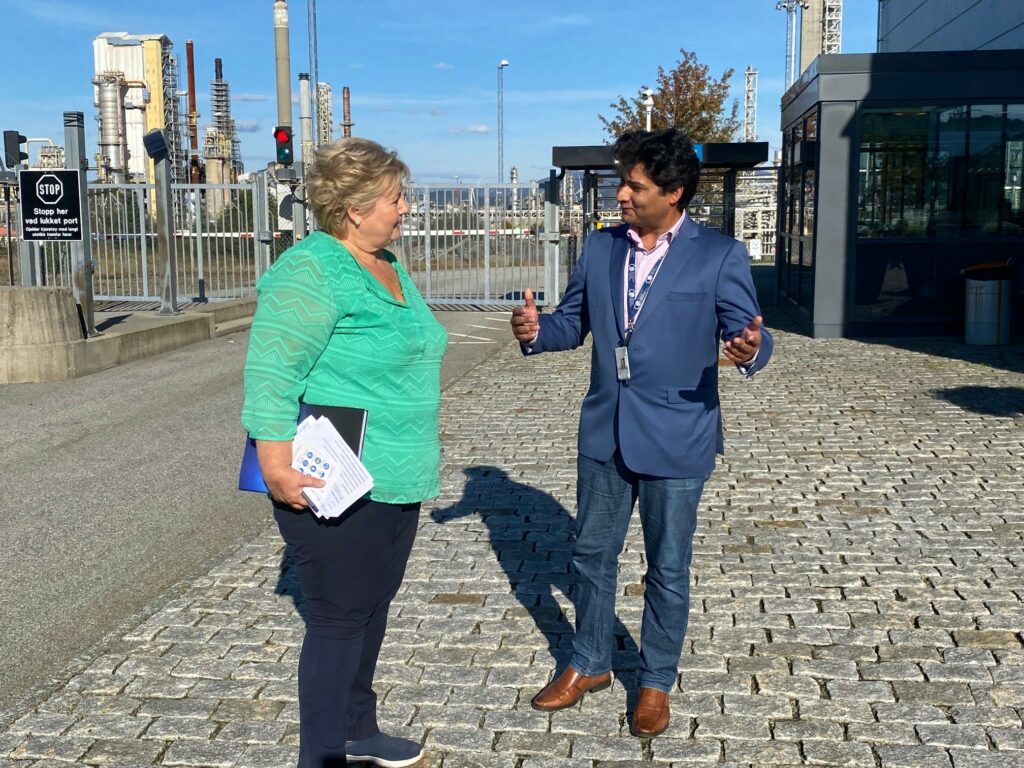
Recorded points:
(859,574)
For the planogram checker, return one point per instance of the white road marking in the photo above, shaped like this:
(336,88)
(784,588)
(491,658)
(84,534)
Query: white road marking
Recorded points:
(468,336)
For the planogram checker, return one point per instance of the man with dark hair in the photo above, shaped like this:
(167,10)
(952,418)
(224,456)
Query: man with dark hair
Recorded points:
(657,294)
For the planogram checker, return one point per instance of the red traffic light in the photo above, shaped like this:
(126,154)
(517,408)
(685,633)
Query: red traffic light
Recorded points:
(283,144)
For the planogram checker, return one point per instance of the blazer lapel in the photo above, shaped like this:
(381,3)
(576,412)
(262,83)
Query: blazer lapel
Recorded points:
(616,270)
(672,268)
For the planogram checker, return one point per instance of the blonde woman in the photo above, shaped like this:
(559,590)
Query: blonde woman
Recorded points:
(339,322)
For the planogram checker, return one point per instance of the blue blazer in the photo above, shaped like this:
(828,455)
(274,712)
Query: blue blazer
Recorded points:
(666,420)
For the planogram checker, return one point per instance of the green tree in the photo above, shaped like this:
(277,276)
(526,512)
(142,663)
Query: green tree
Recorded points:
(686,97)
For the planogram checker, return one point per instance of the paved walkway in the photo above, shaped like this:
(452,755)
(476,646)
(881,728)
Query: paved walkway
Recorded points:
(858,599)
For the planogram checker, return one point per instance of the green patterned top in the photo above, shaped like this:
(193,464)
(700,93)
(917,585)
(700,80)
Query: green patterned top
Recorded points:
(328,333)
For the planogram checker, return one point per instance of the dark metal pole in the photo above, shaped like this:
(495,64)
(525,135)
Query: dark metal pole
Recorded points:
(81,252)
(155,143)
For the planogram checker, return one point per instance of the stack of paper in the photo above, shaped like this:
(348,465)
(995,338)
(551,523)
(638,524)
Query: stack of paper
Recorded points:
(319,451)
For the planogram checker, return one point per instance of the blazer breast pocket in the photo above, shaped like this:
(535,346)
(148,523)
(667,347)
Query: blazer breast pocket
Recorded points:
(686,295)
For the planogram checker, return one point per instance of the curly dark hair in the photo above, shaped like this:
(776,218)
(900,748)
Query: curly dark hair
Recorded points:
(667,156)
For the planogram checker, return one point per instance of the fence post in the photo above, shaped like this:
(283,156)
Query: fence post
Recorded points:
(487,244)
(141,198)
(200,256)
(551,239)
(426,227)
(261,223)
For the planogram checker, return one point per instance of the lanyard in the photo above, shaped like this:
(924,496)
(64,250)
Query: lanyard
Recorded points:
(634,299)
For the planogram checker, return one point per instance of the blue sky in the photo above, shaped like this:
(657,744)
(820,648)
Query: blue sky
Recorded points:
(423,75)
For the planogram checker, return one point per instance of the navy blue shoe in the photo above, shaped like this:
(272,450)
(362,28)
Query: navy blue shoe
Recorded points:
(383,750)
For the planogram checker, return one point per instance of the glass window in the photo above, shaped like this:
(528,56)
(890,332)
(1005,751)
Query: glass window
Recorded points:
(984,168)
(811,126)
(893,162)
(1013,203)
(798,189)
(941,171)
(948,161)
(808,202)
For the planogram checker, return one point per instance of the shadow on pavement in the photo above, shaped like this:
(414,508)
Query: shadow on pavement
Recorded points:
(990,401)
(533,542)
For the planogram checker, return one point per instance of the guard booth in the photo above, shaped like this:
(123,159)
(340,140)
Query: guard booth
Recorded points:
(594,205)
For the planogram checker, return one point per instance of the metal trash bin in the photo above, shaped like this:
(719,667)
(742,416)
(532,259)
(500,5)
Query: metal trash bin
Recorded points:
(987,307)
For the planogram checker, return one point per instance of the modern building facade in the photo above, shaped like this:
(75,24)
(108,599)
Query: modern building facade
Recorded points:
(899,170)
(949,25)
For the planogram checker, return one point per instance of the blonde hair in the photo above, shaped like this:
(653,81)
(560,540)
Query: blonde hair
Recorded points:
(347,173)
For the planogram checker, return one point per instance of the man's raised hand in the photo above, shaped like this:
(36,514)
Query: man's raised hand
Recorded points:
(525,325)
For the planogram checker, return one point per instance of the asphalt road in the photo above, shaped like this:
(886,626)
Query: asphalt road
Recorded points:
(119,485)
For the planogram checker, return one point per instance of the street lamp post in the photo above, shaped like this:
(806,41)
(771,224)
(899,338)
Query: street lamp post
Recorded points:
(648,95)
(501,121)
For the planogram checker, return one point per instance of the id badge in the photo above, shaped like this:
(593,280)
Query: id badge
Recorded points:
(622,363)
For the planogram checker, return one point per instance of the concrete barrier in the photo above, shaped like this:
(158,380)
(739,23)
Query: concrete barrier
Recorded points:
(39,333)
(41,336)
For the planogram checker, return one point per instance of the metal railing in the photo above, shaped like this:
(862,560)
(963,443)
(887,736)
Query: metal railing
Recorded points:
(217,228)
(462,244)
(471,244)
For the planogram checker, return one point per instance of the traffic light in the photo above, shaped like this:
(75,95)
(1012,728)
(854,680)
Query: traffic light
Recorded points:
(283,140)
(13,154)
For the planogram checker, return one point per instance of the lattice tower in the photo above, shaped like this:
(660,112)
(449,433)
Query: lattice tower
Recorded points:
(791,7)
(832,27)
(174,125)
(220,109)
(324,115)
(750,105)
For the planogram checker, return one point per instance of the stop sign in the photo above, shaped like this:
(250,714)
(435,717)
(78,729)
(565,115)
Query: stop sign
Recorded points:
(49,189)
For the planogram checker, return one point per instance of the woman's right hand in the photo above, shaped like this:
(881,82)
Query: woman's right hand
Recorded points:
(284,483)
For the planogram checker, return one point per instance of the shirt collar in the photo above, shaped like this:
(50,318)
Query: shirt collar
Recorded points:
(665,237)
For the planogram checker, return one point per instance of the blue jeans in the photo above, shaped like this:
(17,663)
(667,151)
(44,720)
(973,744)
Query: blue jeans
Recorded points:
(605,494)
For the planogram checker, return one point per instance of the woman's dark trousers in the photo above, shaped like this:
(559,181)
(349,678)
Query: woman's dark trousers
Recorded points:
(349,568)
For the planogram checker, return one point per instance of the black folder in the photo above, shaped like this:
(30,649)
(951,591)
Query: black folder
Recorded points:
(350,423)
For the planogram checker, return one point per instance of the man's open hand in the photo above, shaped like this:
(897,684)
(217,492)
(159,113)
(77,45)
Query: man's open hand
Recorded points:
(742,348)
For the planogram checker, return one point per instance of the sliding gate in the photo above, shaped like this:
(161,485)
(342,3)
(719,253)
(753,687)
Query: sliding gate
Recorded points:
(471,245)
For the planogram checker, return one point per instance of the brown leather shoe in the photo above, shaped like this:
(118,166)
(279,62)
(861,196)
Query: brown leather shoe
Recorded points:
(567,689)
(651,715)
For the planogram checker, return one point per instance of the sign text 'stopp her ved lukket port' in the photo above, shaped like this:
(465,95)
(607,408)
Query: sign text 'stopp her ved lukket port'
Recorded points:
(51,207)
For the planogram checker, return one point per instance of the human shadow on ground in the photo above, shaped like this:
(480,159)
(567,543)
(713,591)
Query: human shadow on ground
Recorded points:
(989,401)
(532,536)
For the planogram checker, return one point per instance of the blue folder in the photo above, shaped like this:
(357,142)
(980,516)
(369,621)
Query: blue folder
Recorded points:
(350,423)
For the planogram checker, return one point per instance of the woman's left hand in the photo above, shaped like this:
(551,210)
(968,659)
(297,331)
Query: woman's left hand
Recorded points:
(284,483)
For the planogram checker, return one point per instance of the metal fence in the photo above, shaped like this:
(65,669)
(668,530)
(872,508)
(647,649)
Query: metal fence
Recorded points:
(468,244)
(219,255)
(217,228)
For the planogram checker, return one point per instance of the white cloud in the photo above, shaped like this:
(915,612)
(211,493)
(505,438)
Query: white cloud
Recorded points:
(249,97)
(444,65)
(247,126)
(474,128)
(357,66)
